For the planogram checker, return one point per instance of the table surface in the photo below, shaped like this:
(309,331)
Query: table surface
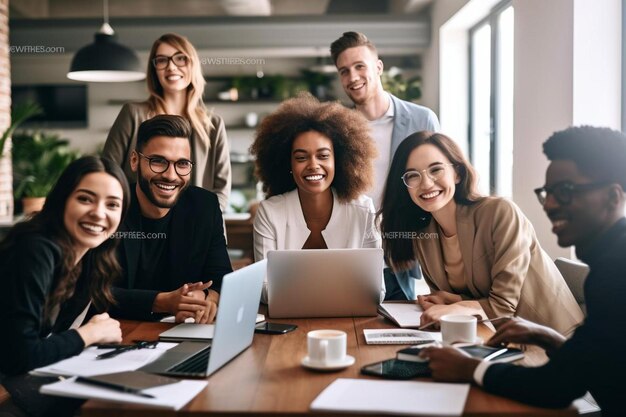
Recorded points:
(267,377)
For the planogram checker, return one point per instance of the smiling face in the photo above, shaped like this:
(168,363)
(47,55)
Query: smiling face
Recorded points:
(312,162)
(172,78)
(93,211)
(430,195)
(588,215)
(359,71)
(157,193)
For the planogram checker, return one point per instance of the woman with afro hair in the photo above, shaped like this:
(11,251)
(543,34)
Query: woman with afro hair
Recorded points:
(315,161)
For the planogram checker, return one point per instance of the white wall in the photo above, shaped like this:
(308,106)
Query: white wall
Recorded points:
(567,72)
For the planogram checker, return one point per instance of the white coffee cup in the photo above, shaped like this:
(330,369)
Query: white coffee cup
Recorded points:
(326,347)
(251,119)
(458,328)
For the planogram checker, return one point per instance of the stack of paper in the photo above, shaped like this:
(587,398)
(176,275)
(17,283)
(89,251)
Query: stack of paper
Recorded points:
(172,396)
(393,397)
(86,363)
(399,337)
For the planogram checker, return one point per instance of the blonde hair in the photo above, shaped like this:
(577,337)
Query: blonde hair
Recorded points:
(194,110)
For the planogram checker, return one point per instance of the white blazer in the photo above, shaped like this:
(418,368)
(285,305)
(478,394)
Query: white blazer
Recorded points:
(279,224)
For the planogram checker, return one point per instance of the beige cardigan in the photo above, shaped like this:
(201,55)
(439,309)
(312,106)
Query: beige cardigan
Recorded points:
(506,270)
(211,169)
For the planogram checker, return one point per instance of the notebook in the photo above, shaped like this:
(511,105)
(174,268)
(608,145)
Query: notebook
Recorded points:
(234,328)
(324,282)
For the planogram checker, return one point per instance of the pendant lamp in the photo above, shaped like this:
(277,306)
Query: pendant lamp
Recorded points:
(105,60)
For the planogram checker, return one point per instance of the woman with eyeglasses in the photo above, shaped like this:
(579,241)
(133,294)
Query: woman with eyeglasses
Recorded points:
(53,267)
(176,86)
(479,255)
(315,161)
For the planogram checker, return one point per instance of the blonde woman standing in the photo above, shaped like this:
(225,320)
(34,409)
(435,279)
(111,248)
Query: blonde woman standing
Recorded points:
(176,86)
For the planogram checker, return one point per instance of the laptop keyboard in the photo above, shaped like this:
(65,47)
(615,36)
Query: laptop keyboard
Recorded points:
(196,364)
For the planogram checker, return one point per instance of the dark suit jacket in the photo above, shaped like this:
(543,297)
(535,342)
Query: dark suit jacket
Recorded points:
(593,359)
(196,251)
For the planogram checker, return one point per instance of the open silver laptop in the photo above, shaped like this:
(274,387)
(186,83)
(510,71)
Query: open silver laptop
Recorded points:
(234,328)
(324,282)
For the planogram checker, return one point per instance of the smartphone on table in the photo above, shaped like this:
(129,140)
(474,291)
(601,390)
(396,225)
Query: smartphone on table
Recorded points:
(396,369)
(274,328)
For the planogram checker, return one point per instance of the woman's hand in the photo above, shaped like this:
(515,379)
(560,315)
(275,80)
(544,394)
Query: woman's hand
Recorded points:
(524,332)
(434,312)
(439,297)
(101,329)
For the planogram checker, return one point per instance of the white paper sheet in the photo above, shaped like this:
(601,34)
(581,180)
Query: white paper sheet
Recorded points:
(86,363)
(393,397)
(172,396)
(404,314)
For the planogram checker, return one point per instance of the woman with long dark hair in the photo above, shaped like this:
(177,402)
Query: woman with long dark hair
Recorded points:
(479,255)
(176,85)
(53,267)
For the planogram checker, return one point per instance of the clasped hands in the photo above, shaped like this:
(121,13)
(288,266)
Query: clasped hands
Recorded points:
(189,301)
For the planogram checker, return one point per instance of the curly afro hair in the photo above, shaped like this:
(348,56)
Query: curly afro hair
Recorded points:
(348,130)
(598,152)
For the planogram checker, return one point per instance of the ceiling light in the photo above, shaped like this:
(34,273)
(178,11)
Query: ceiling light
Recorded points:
(105,60)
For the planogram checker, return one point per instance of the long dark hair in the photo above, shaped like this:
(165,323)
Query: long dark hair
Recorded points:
(400,215)
(50,222)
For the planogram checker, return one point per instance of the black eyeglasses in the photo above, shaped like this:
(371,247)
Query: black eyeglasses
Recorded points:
(159,165)
(161,61)
(564,192)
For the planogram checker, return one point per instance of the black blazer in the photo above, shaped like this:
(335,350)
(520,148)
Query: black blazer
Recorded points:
(197,251)
(28,274)
(593,359)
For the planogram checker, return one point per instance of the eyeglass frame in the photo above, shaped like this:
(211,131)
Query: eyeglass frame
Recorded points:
(151,158)
(571,188)
(422,175)
(170,58)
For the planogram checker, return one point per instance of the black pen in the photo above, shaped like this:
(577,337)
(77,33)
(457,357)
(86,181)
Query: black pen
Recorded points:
(115,387)
(116,352)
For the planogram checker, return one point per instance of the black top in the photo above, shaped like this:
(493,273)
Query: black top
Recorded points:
(593,359)
(196,251)
(28,274)
(154,267)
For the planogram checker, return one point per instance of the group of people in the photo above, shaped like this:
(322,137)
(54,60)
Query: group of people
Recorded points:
(378,175)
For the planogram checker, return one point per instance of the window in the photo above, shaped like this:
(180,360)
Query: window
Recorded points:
(491,100)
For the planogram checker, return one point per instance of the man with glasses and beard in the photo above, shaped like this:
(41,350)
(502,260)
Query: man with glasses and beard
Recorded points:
(584,199)
(173,250)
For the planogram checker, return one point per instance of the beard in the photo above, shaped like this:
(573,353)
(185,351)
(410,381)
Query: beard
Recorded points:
(144,185)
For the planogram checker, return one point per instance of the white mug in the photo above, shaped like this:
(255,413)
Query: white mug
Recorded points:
(326,347)
(458,328)
(252,119)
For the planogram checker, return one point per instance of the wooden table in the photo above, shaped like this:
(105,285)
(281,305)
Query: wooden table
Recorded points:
(267,378)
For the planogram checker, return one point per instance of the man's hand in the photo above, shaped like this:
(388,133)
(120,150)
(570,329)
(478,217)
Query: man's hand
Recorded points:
(179,300)
(450,364)
(524,332)
(207,314)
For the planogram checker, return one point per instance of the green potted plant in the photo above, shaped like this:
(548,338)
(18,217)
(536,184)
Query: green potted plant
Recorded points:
(19,114)
(39,158)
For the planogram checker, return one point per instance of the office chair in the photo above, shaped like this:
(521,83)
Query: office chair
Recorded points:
(574,274)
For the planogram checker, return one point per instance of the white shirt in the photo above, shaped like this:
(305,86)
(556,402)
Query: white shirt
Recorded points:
(279,224)
(381,130)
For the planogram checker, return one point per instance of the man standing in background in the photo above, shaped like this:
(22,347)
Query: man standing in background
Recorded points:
(391,121)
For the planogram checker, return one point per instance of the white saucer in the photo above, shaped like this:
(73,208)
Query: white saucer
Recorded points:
(348,361)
